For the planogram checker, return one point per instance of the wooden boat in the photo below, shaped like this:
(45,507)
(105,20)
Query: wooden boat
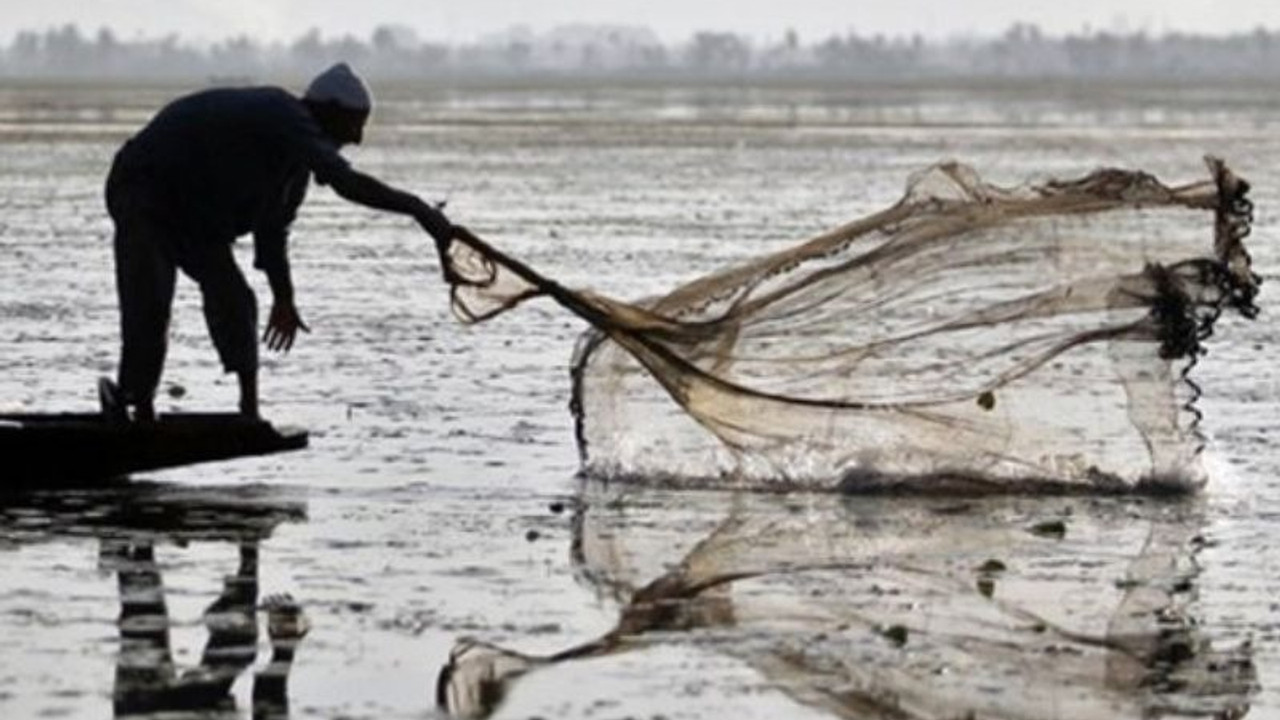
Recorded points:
(58,450)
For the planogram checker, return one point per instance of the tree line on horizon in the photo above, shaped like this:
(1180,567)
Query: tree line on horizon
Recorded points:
(396,52)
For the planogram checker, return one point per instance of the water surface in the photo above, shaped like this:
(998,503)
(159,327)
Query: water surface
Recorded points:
(438,498)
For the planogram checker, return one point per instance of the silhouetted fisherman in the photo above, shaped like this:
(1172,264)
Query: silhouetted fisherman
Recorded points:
(207,169)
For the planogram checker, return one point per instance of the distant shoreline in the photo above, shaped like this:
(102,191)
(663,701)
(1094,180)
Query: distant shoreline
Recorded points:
(636,56)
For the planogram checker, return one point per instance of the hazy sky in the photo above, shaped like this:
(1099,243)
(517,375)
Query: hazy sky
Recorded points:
(673,20)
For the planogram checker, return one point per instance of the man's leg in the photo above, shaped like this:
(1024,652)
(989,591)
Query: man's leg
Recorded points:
(231,313)
(248,392)
(145,277)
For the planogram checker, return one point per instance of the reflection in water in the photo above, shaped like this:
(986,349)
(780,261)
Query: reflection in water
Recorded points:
(146,680)
(148,510)
(286,626)
(904,607)
(129,522)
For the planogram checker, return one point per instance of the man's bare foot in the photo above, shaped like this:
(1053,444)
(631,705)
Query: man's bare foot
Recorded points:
(144,412)
(249,410)
(112,402)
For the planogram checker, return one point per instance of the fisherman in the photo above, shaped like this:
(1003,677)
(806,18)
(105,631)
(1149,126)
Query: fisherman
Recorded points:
(213,166)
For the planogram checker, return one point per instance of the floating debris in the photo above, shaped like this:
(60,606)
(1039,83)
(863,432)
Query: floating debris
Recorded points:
(992,566)
(896,634)
(1050,528)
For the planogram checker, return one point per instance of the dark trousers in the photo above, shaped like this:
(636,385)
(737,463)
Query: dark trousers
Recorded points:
(148,255)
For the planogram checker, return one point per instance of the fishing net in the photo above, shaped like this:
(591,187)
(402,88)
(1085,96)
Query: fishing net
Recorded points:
(970,336)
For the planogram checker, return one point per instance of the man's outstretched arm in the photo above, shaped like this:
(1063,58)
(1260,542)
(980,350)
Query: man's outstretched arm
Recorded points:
(371,192)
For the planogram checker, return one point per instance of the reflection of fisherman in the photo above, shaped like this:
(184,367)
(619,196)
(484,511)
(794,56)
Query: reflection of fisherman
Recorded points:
(207,169)
(146,677)
(286,626)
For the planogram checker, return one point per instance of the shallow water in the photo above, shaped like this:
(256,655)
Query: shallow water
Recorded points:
(438,499)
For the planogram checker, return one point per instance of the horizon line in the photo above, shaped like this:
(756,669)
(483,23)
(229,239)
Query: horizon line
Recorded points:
(1087,30)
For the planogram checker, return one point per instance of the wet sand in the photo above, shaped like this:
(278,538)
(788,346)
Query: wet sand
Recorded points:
(438,498)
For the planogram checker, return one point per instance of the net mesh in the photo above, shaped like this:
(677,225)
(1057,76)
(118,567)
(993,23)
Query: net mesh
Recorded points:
(970,336)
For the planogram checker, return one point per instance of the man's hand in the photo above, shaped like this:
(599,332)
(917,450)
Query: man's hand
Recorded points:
(283,327)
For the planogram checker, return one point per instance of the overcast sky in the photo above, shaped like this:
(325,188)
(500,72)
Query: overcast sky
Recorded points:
(673,20)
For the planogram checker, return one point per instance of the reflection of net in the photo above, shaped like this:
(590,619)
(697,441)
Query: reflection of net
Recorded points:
(896,608)
(970,333)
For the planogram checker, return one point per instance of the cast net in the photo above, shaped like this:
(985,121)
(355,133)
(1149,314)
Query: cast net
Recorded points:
(970,336)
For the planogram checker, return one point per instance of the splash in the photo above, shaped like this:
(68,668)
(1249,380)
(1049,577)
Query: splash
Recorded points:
(968,337)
